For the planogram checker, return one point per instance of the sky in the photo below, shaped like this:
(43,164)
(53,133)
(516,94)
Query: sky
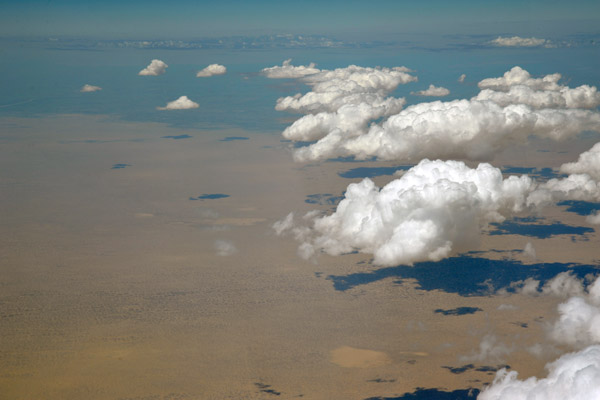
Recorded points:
(280,181)
(377,20)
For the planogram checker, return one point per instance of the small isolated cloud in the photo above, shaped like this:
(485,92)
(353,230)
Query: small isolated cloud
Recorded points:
(89,88)
(490,349)
(529,251)
(182,103)
(573,376)
(155,68)
(461,78)
(287,70)
(517,41)
(225,248)
(432,91)
(212,70)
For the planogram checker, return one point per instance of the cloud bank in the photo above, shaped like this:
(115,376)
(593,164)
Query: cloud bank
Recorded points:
(89,88)
(182,103)
(517,41)
(435,208)
(506,111)
(212,70)
(155,68)
(433,91)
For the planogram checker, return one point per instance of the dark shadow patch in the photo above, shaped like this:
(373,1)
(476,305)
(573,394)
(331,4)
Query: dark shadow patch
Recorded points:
(530,227)
(379,380)
(434,394)
(211,196)
(468,367)
(232,138)
(323,199)
(540,173)
(120,166)
(459,370)
(370,172)
(521,324)
(580,207)
(458,311)
(266,389)
(176,137)
(463,275)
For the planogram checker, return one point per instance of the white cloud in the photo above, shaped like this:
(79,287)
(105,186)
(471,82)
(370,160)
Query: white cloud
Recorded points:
(182,103)
(517,41)
(507,111)
(490,349)
(287,70)
(529,251)
(588,163)
(574,376)
(461,78)
(89,88)
(225,248)
(593,218)
(433,209)
(155,68)
(432,91)
(212,70)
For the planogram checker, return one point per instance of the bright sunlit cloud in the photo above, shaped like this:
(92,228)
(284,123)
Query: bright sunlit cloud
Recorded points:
(287,70)
(182,103)
(212,70)
(155,68)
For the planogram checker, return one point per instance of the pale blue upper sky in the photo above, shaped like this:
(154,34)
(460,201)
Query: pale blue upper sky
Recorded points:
(377,19)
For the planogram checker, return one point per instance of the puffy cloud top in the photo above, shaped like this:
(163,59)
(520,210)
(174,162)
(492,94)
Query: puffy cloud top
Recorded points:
(212,70)
(182,103)
(433,91)
(506,111)
(517,41)
(155,68)
(433,209)
(287,70)
(573,376)
(89,88)
(588,163)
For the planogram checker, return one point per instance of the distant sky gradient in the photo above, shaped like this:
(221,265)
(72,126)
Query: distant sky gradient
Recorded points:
(378,19)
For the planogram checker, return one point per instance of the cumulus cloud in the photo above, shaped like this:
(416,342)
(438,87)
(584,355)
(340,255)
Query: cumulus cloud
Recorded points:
(507,111)
(212,70)
(529,251)
(593,218)
(287,70)
(490,349)
(517,41)
(433,209)
(89,88)
(433,91)
(182,103)
(588,163)
(572,376)
(225,248)
(155,68)
(462,78)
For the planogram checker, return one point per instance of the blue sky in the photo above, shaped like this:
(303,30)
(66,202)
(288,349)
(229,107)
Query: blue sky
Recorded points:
(379,19)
